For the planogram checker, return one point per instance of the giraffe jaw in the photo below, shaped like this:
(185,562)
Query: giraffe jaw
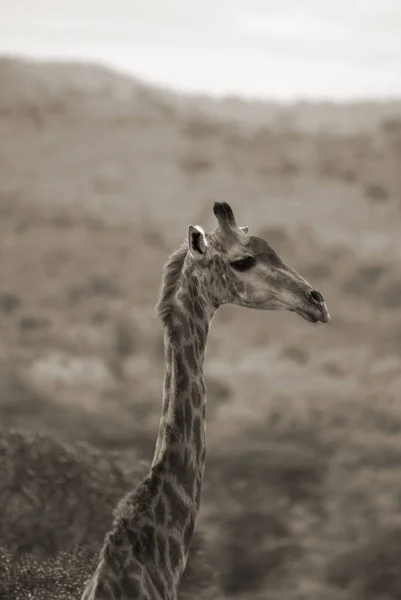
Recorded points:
(317,314)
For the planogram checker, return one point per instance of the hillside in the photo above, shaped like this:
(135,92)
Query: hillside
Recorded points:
(100,177)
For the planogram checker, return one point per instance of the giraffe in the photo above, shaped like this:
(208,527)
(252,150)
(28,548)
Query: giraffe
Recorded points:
(145,553)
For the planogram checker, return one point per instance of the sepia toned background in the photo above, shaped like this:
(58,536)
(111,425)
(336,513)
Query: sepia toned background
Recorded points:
(120,124)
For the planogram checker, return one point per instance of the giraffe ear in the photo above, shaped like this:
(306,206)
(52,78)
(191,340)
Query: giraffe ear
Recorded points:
(196,241)
(245,229)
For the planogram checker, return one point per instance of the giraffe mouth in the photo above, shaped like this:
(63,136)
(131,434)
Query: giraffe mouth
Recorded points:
(315,314)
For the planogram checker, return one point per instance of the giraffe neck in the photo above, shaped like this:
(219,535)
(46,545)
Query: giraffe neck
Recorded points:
(181,443)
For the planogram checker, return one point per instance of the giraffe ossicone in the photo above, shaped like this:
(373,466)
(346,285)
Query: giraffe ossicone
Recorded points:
(145,553)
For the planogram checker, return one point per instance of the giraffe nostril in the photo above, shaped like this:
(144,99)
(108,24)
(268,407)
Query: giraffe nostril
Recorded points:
(316,297)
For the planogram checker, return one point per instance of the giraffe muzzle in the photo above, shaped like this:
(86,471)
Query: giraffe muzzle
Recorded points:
(314,309)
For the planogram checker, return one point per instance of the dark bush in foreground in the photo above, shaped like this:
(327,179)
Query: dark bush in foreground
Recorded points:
(63,577)
(60,578)
(56,504)
(54,496)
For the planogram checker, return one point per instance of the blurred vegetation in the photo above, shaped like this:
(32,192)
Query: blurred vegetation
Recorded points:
(302,492)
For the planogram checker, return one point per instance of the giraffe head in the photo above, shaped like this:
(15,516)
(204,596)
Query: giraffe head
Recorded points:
(233,267)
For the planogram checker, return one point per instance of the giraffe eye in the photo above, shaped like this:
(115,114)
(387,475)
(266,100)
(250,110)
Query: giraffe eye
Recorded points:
(243,264)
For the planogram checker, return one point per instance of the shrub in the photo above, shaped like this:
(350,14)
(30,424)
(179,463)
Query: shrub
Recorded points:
(276,457)
(125,342)
(57,501)
(376,191)
(62,577)
(289,167)
(296,354)
(390,295)
(54,496)
(364,280)
(195,165)
(97,286)
(372,570)
(255,549)
(200,127)
(9,302)
(33,323)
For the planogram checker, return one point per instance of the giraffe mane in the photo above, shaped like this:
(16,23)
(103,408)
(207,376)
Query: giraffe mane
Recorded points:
(171,276)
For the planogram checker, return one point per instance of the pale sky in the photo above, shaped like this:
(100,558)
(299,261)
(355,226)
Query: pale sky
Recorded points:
(282,49)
